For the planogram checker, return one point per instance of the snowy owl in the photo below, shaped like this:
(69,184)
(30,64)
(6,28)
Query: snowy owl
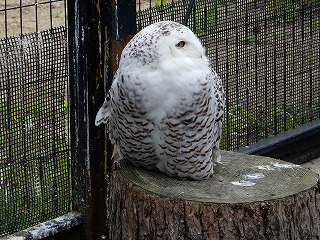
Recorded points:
(165,106)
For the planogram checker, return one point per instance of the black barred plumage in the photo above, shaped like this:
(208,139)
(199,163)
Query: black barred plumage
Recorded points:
(164,109)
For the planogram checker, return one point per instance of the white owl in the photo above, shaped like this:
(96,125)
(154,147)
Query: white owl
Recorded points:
(165,106)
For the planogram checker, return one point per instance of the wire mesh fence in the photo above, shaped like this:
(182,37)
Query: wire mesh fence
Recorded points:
(267,54)
(34,135)
(34,127)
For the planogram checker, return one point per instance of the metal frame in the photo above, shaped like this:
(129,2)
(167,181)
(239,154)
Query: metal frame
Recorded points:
(297,146)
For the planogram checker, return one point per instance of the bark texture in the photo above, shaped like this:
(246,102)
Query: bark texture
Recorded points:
(241,201)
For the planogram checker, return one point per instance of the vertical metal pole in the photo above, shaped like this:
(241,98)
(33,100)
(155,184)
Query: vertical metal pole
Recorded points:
(97,32)
(123,26)
(86,61)
(188,12)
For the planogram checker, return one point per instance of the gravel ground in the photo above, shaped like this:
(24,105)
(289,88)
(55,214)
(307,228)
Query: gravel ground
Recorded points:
(31,16)
(35,15)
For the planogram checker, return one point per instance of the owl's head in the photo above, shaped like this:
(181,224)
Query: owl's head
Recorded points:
(179,41)
(162,41)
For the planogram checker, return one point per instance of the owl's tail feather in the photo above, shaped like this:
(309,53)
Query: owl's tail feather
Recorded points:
(103,113)
(116,155)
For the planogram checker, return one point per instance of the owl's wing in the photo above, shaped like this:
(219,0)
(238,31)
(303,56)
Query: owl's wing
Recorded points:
(103,113)
(219,97)
(107,115)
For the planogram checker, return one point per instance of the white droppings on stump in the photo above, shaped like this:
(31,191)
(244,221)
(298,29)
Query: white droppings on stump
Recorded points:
(243,183)
(249,197)
(253,176)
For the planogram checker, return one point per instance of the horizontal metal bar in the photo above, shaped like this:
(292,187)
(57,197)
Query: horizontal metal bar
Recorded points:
(49,228)
(299,139)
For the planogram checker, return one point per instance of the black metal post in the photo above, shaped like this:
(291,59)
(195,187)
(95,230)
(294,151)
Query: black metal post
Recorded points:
(123,26)
(87,63)
(97,32)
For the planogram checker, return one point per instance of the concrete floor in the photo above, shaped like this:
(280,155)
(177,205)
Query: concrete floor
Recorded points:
(313,165)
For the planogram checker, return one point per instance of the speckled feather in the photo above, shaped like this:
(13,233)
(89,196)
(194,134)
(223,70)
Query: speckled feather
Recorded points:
(165,106)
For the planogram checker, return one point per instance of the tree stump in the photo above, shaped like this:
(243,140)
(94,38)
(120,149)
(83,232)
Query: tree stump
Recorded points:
(249,197)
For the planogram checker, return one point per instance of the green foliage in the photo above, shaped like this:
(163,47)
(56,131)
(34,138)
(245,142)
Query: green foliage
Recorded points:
(288,10)
(315,24)
(203,18)
(244,126)
(57,14)
(34,160)
(160,2)
(238,13)
(253,39)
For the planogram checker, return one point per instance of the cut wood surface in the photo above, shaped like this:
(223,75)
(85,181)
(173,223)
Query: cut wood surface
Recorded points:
(249,197)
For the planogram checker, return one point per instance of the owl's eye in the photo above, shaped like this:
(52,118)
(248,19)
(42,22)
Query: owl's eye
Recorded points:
(181,44)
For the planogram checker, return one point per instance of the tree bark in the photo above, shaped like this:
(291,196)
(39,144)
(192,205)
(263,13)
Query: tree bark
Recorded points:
(249,197)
